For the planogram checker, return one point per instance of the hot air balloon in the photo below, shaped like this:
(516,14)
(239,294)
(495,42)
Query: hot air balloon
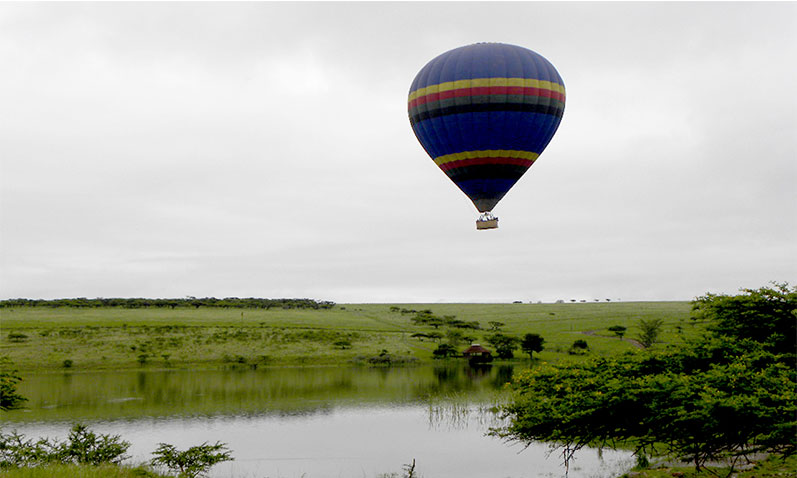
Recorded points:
(484,113)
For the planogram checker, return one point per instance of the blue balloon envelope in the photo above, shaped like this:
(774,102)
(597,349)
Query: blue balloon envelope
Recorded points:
(484,113)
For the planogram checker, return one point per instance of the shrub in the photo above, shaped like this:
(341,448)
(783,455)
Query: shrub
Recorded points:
(17,337)
(579,347)
(9,398)
(193,462)
(650,330)
(82,446)
(68,363)
(342,344)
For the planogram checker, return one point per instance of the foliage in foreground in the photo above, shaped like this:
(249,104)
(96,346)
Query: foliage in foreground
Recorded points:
(80,471)
(729,394)
(82,446)
(106,452)
(193,462)
(9,398)
(775,466)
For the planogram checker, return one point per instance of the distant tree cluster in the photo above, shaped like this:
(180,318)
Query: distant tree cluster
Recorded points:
(141,303)
(426,317)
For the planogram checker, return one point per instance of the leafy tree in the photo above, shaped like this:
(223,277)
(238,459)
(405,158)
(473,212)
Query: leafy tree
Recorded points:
(454,337)
(9,398)
(618,330)
(719,396)
(650,330)
(495,325)
(444,351)
(193,462)
(504,345)
(681,401)
(436,336)
(532,343)
(765,315)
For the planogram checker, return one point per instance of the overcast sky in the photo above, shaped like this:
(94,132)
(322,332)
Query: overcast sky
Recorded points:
(263,149)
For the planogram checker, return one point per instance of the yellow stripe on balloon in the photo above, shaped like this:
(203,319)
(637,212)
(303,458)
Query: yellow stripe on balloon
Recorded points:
(487,153)
(482,82)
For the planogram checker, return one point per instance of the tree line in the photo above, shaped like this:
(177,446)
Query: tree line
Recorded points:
(187,302)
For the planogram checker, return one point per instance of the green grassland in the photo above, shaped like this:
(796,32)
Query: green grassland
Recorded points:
(775,466)
(43,338)
(81,471)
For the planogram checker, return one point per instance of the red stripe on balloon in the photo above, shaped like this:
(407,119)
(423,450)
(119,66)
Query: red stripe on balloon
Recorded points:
(487,90)
(482,161)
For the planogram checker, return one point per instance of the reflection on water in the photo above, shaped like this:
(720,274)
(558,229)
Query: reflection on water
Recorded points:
(306,422)
(106,395)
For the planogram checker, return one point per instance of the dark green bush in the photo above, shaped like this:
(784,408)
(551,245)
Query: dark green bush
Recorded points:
(17,337)
(193,462)
(81,446)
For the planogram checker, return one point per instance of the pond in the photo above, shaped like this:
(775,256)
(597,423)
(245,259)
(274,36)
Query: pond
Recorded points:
(321,422)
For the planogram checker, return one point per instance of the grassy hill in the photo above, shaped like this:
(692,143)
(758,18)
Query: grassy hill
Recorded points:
(44,338)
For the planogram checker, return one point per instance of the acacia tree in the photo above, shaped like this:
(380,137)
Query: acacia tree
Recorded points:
(444,351)
(721,396)
(618,330)
(505,345)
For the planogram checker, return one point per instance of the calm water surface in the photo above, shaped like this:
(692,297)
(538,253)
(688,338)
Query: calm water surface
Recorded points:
(306,422)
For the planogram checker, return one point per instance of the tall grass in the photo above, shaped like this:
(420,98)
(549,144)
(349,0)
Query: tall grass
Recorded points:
(80,471)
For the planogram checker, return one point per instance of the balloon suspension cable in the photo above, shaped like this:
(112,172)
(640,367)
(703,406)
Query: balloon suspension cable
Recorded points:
(487,221)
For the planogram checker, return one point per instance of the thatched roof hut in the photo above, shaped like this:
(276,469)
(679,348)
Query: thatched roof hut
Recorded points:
(476,350)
